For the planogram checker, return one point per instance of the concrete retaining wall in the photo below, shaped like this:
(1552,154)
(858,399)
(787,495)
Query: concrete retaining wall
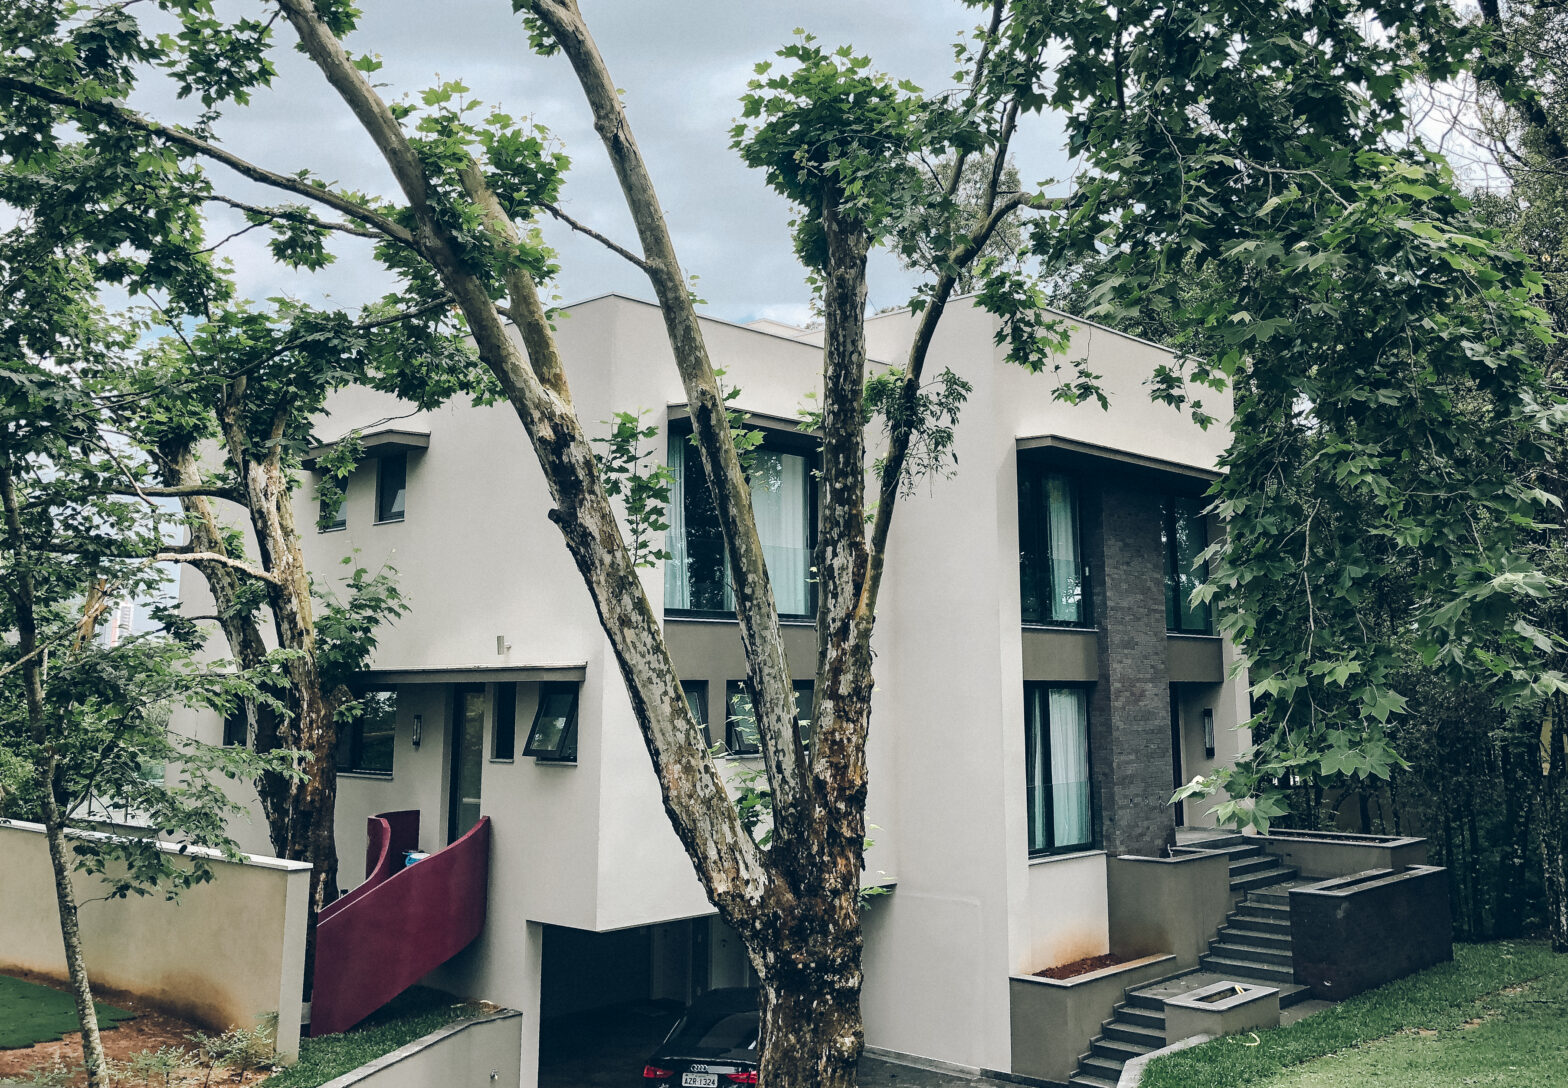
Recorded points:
(484,1052)
(1357,932)
(1319,858)
(1052,1020)
(225,953)
(1171,905)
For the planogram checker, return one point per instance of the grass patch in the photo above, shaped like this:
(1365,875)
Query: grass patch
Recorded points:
(1440,1000)
(30,1013)
(411,1015)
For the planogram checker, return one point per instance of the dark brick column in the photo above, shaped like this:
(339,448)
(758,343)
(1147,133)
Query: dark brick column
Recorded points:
(1129,714)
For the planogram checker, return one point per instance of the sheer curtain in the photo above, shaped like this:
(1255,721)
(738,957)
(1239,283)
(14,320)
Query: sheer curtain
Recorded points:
(1034,760)
(1062,525)
(778,499)
(677,584)
(1069,765)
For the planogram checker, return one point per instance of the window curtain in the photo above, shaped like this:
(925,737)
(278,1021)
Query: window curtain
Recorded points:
(1034,762)
(1062,527)
(677,583)
(778,499)
(1069,765)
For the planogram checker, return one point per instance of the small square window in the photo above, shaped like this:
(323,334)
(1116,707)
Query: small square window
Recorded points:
(697,700)
(331,520)
(553,737)
(503,738)
(740,721)
(391,486)
(365,744)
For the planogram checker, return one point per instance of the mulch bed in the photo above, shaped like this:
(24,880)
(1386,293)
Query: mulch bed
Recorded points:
(147,1030)
(1081,967)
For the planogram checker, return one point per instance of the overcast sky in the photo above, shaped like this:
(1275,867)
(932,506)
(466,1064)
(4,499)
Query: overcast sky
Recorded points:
(683,65)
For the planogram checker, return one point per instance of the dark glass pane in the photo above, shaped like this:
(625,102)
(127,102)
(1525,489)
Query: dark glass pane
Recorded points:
(740,725)
(1185,536)
(236,728)
(717,1031)
(704,540)
(377,728)
(468,753)
(391,486)
(1033,581)
(331,520)
(804,692)
(697,702)
(553,735)
(504,738)
(1050,566)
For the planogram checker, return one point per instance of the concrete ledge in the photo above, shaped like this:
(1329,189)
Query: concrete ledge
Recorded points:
(1359,931)
(1173,905)
(479,1052)
(1223,1008)
(1319,855)
(1132,1072)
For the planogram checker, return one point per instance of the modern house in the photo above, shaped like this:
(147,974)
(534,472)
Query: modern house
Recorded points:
(1042,683)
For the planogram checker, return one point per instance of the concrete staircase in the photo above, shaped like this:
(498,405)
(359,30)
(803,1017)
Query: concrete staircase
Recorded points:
(1252,946)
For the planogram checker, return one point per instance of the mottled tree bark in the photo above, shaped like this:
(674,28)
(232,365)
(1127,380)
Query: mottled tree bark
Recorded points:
(1554,821)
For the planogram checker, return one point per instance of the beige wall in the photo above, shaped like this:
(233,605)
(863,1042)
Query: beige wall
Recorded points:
(1067,912)
(225,953)
(478,1053)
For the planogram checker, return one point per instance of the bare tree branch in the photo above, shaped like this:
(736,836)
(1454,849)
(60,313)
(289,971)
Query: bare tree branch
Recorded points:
(583,228)
(221,560)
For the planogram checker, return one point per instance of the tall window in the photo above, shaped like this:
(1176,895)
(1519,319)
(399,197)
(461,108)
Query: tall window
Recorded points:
(696,576)
(391,486)
(503,731)
(1056,758)
(1050,559)
(1185,534)
(365,744)
(332,517)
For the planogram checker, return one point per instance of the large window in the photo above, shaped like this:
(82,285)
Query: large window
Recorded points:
(553,737)
(391,486)
(741,736)
(365,744)
(1056,757)
(1185,534)
(696,576)
(1051,565)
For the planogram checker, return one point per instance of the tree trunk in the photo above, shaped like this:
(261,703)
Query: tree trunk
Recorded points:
(22,590)
(811,1033)
(1554,825)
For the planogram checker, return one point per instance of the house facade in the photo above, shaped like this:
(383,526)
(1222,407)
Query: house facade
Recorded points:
(1042,678)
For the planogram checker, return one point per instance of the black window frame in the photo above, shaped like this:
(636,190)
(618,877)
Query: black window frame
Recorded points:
(339,520)
(1173,609)
(1034,526)
(351,742)
(503,724)
(1047,799)
(236,726)
(736,688)
(780,441)
(697,701)
(385,516)
(808,688)
(565,749)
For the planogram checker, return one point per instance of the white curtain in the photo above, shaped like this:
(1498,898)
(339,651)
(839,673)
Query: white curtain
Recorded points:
(778,499)
(1034,760)
(1069,765)
(1061,520)
(677,584)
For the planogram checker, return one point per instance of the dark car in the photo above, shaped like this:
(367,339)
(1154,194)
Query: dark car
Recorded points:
(713,1045)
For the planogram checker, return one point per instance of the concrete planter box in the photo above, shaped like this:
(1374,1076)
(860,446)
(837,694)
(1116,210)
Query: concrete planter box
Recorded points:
(1360,931)
(1320,856)
(482,1052)
(1053,1019)
(1225,1008)
(1171,905)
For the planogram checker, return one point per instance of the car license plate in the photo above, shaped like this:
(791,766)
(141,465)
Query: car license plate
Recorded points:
(700,1080)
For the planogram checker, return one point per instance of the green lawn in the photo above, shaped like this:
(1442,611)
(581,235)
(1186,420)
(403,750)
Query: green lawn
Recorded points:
(417,1012)
(1497,1015)
(30,1013)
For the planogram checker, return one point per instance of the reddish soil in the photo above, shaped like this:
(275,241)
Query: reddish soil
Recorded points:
(1081,967)
(150,1030)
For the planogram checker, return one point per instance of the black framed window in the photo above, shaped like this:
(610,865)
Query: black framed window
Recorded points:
(236,727)
(503,730)
(1184,534)
(741,736)
(365,744)
(391,486)
(783,497)
(697,700)
(332,520)
(553,736)
(1056,760)
(1053,578)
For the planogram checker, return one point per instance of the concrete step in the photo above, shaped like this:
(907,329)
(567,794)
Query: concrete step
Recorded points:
(1246,953)
(1259,916)
(1255,864)
(1118,1050)
(1245,970)
(1214,842)
(1238,849)
(1081,1081)
(1094,1066)
(1263,879)
(1153,1038)
(1143,1016)
(1263,936)
(1292,993)
(1147,1001)
(1274,897)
